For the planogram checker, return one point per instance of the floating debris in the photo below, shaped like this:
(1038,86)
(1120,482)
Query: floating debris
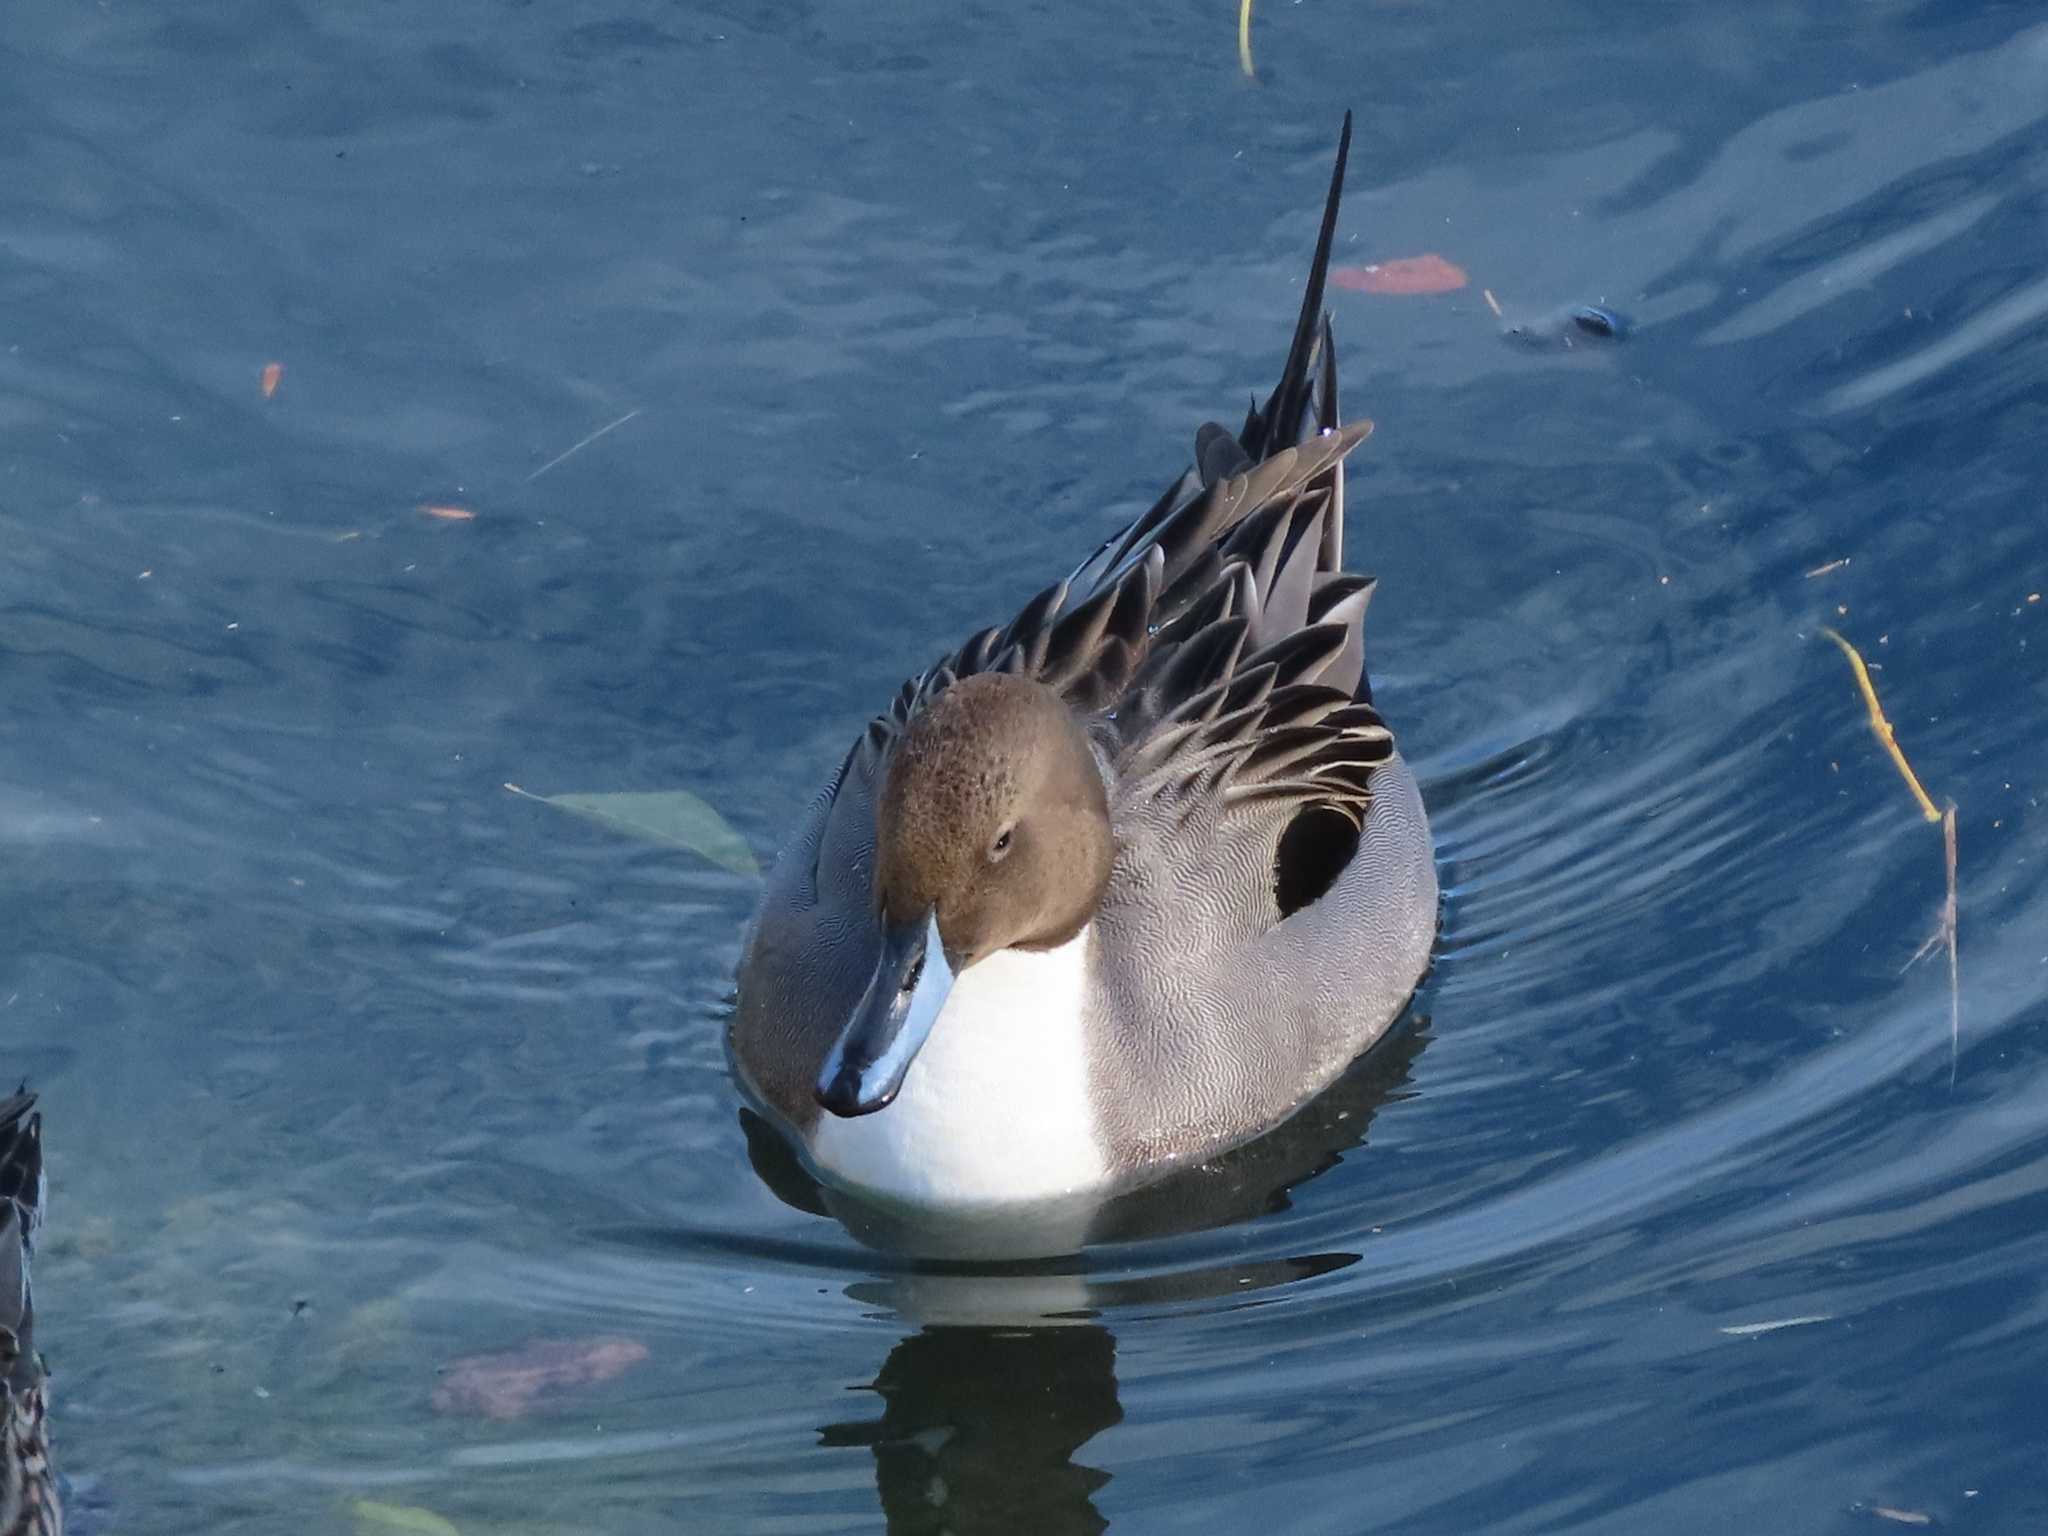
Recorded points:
(511,1385)
(1883,727)
(1944,935)
(1427,273)
(575,448)
(1568,325)
(1595,321)
(273,375)
(1753,1330)
(1244,39)
(449,514)
(667,816)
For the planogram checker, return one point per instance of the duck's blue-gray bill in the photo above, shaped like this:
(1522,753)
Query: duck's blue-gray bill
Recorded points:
(865,1067)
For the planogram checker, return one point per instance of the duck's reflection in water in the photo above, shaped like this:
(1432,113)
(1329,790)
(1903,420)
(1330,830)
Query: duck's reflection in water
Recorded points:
(980,1428)
(1009,1369)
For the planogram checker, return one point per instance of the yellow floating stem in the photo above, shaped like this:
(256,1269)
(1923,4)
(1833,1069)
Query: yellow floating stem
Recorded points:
(1244,38)
(1882,726)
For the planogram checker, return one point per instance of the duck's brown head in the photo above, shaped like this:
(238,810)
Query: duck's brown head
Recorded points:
(991,832)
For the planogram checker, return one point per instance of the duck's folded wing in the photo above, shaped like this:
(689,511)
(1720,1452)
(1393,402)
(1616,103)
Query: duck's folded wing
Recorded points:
(1249,796)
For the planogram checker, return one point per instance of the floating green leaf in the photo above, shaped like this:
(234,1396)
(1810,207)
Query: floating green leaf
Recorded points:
(667,816)
(372,1516)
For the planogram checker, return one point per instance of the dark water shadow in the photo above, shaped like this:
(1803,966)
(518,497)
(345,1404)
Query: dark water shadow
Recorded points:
(980,1428)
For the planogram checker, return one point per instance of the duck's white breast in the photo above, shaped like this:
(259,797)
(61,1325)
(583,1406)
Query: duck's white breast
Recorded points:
(996,1106)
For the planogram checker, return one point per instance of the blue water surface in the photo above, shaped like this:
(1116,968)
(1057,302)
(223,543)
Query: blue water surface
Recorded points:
(1676,1207)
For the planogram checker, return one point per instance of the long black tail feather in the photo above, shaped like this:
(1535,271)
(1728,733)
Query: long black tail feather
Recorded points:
(1279,423)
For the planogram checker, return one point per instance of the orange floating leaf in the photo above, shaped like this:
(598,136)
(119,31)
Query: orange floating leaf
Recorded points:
(1427,273)
(273,375)
(449,514)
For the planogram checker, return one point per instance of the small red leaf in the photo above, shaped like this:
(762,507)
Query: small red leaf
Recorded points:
(1428,273)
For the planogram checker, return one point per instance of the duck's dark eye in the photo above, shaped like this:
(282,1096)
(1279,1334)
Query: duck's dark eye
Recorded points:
(1001,845)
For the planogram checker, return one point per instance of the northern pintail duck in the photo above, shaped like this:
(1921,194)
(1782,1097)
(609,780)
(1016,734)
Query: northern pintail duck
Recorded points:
(28,1482)
(1121,883)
